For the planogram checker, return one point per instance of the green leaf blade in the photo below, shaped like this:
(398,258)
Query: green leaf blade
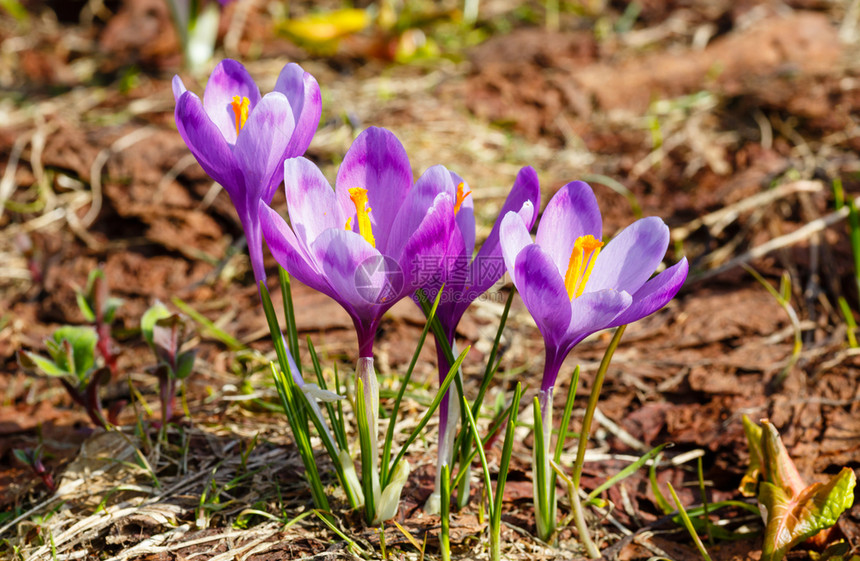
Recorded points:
(793,520)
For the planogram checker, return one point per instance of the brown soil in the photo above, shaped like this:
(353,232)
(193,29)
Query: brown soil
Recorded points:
(730,120)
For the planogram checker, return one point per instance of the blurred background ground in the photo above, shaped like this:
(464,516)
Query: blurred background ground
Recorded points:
(729,120)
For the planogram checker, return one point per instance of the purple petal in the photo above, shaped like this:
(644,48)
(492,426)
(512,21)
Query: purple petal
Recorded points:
(311,202)
(631,257)
(571,213)
(594,311)
(418,201)
(340,254)
(261,145)
(455,265)
(254,237)
(459,278)
(543,292)
(303,92)
(178,88)
(377,161)
(465,217)
(426,247)
(287,250)
(654,294)
(514,238)
(227,80)
(209,147)
(488,266)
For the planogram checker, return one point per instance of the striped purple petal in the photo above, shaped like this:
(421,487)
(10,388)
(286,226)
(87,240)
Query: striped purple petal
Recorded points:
(626,262)
(303,92)
(571,213)
(227,80)
(377,161)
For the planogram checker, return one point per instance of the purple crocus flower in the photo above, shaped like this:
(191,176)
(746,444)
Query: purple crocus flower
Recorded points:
(367,243)
(572,287)
(242,139)
(465,279)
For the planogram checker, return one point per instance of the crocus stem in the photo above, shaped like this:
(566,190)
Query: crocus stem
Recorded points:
(586,430)
(444,539)
(544,484)
(255,250)
(368,406)
(579,521)
(449,415)
(507,449)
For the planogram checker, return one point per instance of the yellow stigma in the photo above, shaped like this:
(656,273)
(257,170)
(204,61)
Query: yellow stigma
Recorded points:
(582,258)
(362,211)
(240,109)
(461,196)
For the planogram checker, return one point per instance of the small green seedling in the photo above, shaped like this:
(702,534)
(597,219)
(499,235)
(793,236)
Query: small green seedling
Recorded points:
(32,457)
(166,333)
(72,352)
(793,512)
(99,308)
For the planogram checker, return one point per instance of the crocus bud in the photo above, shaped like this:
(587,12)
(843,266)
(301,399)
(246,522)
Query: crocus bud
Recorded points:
(390,500)
(351,476)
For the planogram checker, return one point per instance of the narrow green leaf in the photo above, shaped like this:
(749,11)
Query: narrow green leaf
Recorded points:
(290,316)
(689,525)
(545,524)
(706,515)
(655,487)
(207,327)
(473,452)
(404,383)
(504,463)
(624,473)
(366,451)
(84,307)
(439,333)
(565,418)
(838,193)
(299,428)
(274,328)
(452,375)
(336,422)
(444,533)
(849,320)
(464,439)
(488,489)
(854,223)
(493,359)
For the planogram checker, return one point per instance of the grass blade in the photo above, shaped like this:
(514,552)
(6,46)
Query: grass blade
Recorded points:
(389,434)
(452,375)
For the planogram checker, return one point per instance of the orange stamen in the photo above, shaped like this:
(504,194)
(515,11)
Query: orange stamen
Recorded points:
(362,211)
(241,105)
(582,258)
(461,196)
